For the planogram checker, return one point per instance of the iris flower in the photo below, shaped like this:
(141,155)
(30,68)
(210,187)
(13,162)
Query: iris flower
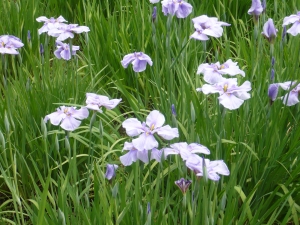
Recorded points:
(68,117)
(290,98)
(231,95)
(176,7)
(295,20)
(111,171)
(154,124)
(185,150)
(66,31)
(9,44)
(256,9)
(133,155)
(213,73)
(50,24)
(207,26)
(94,102)
(139,61)
(63,50)
(213,168)
(273,91)
(269,31)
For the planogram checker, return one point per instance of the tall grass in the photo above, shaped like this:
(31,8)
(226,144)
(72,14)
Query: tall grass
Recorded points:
(47,178)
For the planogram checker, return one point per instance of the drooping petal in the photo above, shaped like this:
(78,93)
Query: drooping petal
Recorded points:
(214,31)
(139,65)
(81,113)
(145,142)
(290,19)
(170,151)
(65,54)
(156,154)
(295,29)
(230,101)
(55,117)
(167,132)
(70,123)
(184,9)
(290,98)
(129,158)
(127,60)
(219,167)
(198,148)
(199,36)
(133,127)
(143,156)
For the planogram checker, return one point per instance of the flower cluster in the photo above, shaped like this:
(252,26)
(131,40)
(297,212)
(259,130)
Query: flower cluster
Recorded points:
(70,118)
(57,28)
(207,26)
(179,8)
(291,97)
(9,44)
(139,147)
(231,96)
(194,162)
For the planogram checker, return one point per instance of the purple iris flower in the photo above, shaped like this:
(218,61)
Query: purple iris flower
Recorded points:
(94,102)
(269,31)
(213,168)
(133,155)
(291,98)
(183,184)
(295,20)
(66,31)
(213,73)
(111,171)
(231,95)
(139,61)
(63,50)
(273,91)
(207,26)
(50,24)
(154,124)
(256,9)
(176,7)
(68,117)
(185,150)
(9,44)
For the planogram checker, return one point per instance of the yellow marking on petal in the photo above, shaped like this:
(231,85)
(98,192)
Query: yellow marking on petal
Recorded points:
(225,87)
(222,67)
(65,110)
(152,127)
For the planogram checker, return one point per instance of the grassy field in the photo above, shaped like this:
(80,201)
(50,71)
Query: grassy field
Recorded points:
(52,176)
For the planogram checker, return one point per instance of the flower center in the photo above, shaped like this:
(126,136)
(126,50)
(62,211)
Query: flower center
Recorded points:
(225,87)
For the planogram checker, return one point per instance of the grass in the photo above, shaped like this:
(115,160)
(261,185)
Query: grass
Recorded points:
(47,178)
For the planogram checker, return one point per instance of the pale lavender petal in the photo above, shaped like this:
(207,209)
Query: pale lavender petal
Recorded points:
(199,36)
(194,163)
(291,98)
(143,156)
(290,19)
(42,19)
(55,117)
(145,142)
(65,54)
(213,77)
(295,29)
(230,101)
(207,89)
(219,167)
(127,60)
(80,29)
(57,52)
(170,151)
(155,119)
(65,35)
(198,148)
(156,154)
(214,31)
(184,10)
(81,113)
(139,65)
(70,123)
(129,158)
(133,127)
(167,132)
